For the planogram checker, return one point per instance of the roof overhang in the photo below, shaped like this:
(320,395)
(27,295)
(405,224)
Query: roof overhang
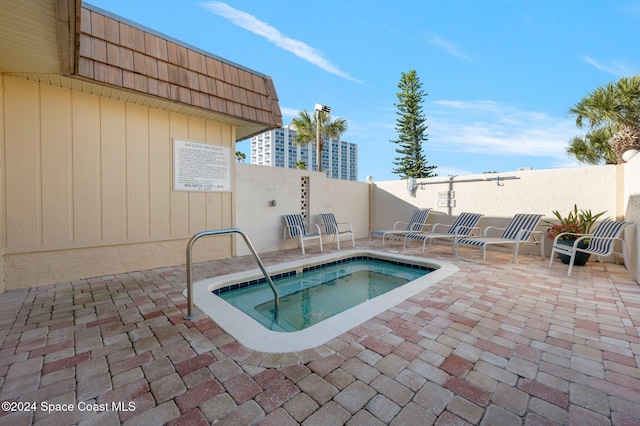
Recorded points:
(65,43)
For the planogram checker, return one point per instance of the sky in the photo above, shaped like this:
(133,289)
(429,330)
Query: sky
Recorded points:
(500,75)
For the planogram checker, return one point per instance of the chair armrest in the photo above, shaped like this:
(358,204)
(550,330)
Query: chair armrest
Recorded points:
(581,236)
(345,223)
(290,228)
(486,230)
(525,232)
(421,228)
(399,223)
(317,227)
(466,227)
(436,225)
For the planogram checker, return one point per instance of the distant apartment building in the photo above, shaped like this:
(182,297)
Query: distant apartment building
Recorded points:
(277,148)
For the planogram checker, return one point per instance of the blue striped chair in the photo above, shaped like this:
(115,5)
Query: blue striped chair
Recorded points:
(461,227)
(331,227)
(295,227)
(417,223)
(521,229)
(601,243)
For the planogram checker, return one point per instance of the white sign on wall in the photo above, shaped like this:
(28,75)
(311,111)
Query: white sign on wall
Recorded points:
(201,167)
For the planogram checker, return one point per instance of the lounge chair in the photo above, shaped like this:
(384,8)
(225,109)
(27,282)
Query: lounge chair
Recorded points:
(601,243)
(521,229)
(295,227)
(461,227)
(331,227)
(417,223)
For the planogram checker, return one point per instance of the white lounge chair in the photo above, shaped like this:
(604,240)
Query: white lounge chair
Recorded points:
(601,243)
(521,229)
(417,223)
(295,227)
(331,227)
(461,227)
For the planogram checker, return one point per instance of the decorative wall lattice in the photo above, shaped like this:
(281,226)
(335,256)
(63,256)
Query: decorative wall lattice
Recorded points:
(304,198)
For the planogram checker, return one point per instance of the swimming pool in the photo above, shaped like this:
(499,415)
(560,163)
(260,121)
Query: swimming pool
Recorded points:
(254,335)
(319,292)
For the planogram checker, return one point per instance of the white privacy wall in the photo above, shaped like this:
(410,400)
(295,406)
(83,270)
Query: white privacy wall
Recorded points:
(533,191)
(258,186)
(614,189)
(631,199)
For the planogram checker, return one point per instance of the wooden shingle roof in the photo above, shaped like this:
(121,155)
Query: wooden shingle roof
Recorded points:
(107,55)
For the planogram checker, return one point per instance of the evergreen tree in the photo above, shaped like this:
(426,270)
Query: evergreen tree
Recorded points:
(411,129)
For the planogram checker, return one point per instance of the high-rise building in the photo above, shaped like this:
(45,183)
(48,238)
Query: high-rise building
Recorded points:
(277,148)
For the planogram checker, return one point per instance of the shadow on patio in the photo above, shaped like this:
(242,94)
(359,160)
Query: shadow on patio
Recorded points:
(498,343)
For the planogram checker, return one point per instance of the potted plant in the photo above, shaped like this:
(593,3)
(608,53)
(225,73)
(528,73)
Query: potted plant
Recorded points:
(576,222)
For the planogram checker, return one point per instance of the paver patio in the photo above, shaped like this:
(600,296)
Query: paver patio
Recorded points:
(498,343)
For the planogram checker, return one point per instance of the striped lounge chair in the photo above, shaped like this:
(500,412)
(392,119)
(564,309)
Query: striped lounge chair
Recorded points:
(337,229)
(601,243)
(417,223)
(461,227)
(295,227)
(521,229)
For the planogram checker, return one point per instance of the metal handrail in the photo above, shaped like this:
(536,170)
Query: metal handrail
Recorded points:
(190,315)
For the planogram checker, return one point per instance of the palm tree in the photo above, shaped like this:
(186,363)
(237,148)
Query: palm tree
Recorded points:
(240,156)
(613,115)
(300,164)
(305,125)
(594,146)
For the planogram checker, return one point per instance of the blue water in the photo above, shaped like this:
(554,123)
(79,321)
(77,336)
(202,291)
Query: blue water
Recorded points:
(310,297)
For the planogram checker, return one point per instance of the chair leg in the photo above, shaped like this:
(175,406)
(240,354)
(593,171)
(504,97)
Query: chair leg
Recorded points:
(337,238)
(302,244)
(553,252)
(571,260)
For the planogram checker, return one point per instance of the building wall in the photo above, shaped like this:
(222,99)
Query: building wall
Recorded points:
(538,191)
(258,186)
(277,148)
(631,198)
(88,186)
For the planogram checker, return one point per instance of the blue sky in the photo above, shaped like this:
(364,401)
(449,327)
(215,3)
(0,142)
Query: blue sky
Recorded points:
(500,75)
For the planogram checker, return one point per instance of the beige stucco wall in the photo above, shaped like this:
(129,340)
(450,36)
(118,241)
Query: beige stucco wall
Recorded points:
(257,186)
(632,213)
(534,191)
(88,186)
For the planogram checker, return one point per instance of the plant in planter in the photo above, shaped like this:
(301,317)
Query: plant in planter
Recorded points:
(571,226)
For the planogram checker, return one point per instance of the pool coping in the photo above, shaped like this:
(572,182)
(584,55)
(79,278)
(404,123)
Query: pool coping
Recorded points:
(256,337)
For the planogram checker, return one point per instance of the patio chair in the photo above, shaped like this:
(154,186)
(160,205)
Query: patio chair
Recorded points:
(417,223)
(331,227)
(461,227)
(601,243)
(521,229)
(295,227)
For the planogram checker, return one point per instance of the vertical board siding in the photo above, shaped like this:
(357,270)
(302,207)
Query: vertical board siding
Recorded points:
(160,174)
(137,167)
(57,197)
(113,156)
(179,128)
(197,200)
(87,194)
(22,163)
(84,171)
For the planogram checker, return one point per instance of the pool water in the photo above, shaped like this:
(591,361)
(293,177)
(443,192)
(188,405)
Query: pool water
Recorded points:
(312,296)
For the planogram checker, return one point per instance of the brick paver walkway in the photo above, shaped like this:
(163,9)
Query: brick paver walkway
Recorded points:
(494,344)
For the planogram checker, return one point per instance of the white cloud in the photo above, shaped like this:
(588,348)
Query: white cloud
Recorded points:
(446,45)
(493,128)
(256,26)
(615,68)
(289,112)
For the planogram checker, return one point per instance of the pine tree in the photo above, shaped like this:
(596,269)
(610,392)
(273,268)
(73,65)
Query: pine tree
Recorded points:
(411,129)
